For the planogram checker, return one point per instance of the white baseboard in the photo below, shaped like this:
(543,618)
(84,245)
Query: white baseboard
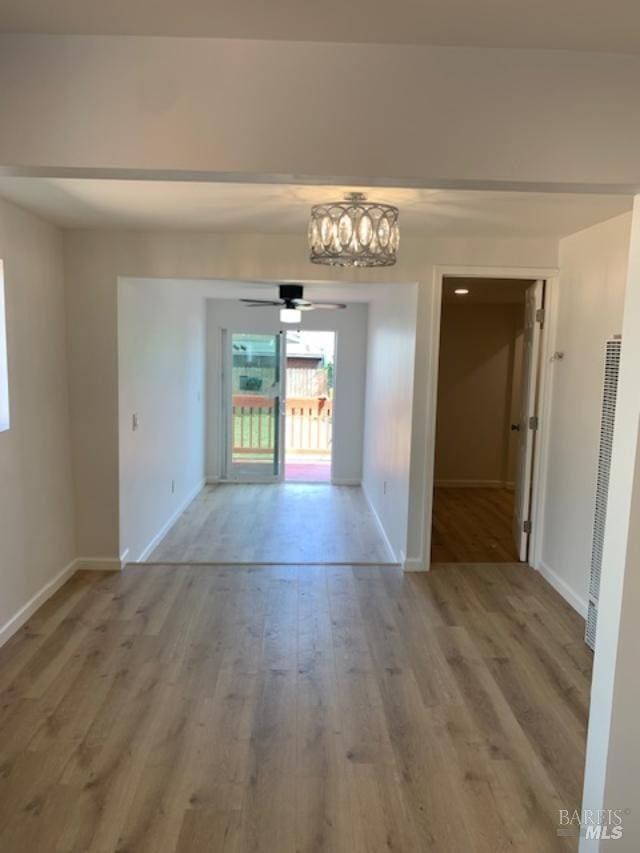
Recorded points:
(391,554)
(213,480)
(415,564)
(345,481)
(412,564)
(27,610)
(170,522)
(561,586)
(93,564)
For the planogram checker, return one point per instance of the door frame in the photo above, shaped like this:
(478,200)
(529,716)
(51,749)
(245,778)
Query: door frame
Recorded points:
(224,342)
(545,387)
(528,407)
(226,338)
(336,377)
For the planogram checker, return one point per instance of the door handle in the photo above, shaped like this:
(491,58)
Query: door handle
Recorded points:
(515,427)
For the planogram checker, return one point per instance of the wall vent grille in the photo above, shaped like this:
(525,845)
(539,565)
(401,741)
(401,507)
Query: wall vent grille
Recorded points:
(607,420)
(590,630)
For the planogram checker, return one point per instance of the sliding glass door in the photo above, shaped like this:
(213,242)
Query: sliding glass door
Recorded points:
(253,398)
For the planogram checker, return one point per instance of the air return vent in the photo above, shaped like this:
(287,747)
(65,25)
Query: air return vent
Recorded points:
(609,397)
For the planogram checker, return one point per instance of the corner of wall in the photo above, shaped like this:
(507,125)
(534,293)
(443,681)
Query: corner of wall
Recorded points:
(12,625)
(391,554)
(576,601)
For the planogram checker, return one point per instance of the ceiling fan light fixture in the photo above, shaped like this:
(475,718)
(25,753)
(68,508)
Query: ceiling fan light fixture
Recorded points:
(291,303)
(290,315)
(354,233)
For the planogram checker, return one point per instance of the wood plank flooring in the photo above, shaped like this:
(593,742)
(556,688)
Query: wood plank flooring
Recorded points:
(473,525)
(274,523)
(282,709)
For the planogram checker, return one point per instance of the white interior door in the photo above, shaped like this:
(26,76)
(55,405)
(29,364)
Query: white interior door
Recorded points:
(527,423)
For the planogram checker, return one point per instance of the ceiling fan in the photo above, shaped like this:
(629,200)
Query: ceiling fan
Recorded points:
(291,303)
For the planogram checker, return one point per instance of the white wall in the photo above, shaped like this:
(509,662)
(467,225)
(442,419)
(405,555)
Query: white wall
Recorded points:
(161,357)
(4,368)
(350,326)
(36,492)
(613,747)
(95,259)
(475,388)
(389,409)
(259,107)
(593,266)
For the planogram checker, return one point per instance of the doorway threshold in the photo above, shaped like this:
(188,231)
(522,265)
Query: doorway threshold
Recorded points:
(258,563)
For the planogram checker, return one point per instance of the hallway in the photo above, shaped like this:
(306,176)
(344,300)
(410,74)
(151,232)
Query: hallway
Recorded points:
(275,523)
(283,709)
(473,525)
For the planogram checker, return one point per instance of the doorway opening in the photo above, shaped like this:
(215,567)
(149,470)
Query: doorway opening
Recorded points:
(279,398)
(309,382)
(487,419)
(204,392)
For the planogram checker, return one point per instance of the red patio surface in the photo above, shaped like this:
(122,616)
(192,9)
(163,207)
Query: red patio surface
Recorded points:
(307,471)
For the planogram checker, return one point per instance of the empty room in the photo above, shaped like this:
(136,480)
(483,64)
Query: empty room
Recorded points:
(319,427)
(231,419)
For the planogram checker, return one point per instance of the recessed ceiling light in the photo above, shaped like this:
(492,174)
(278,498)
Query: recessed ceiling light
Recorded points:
(461,291)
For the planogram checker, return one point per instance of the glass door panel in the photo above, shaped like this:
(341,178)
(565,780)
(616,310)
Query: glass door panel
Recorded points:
(254,397)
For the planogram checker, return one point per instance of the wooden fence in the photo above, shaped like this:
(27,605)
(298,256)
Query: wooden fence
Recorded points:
(308,425)
(253,425)
(303,382)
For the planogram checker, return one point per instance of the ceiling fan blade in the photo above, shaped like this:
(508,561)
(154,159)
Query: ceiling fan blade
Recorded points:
(261,303)
(329,305)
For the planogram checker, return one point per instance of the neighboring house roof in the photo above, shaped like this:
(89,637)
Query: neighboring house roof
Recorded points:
(295,348)
(293,353)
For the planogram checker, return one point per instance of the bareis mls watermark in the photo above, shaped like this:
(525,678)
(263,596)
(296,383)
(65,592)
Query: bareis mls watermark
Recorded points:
(593,824)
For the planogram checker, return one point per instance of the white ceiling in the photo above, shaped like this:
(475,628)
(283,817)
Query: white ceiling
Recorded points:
(612,27)
(280,208)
